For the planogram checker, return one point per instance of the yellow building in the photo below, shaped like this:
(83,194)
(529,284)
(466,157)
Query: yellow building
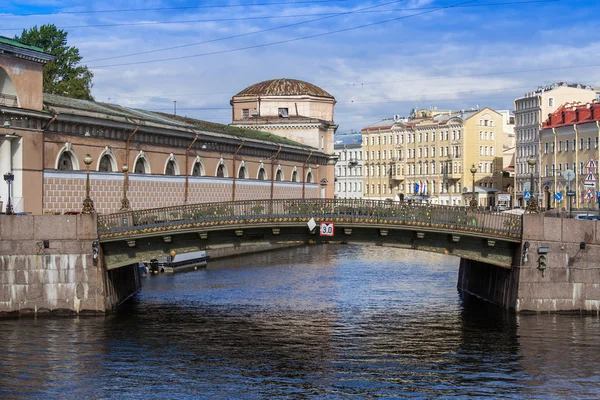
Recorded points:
(569,140)
(428,157)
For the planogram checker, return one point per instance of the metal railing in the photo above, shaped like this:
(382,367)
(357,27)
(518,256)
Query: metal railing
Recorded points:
(379,213)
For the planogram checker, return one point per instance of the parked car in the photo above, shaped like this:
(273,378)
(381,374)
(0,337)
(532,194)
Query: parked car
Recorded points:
(500,207)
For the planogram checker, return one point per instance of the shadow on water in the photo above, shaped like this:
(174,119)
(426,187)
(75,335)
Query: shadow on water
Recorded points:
(320,322)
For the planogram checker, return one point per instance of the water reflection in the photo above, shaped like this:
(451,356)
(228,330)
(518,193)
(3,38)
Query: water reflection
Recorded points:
(322,322)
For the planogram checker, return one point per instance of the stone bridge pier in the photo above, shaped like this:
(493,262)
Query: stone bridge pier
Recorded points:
(556,269)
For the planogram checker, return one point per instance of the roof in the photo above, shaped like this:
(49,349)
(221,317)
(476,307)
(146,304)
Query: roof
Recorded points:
(570,114)
(385,123)
(77,106)
(16,43)
(284,87)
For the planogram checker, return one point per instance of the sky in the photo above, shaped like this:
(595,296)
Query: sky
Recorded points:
(377,58)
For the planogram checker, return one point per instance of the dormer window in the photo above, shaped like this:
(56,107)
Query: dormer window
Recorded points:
(283,112)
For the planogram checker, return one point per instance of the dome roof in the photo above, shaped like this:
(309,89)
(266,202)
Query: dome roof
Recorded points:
(284,87)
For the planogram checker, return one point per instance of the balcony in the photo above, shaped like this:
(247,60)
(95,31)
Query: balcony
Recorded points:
(8,100)
(352,161)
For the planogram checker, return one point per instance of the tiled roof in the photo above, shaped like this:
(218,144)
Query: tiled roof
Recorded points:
(570,114)
(283,87)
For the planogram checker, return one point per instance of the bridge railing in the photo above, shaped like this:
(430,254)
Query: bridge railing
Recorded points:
(373,212)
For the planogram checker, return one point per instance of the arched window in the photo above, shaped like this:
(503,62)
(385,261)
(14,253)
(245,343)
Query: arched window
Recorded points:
(105,164)
(309,177)
(295,176)
(140,166)
(279,175)
(221,171)
(197,170)
(242,172)
(65,162)
(170,168)
(262,175)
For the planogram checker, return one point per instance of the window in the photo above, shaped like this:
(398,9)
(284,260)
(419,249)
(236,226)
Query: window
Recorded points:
(170,169)
(309,177)
(491,135)
(197,170)
(432,151)
(596,142)
(491,150)
(385,140)
(545,148)
(550,101)
(65,162)
(140,166)
(559,146)
(545,170)
(105,164)
(262,175)
(589,143)
(552,147)
(245,113)
(566,145)
(283,112)
(581,144)
(221,171)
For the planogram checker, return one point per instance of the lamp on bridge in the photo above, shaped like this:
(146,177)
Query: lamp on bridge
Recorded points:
(125,200)
(9,178)
(473,204)
(88,203)
(532,204)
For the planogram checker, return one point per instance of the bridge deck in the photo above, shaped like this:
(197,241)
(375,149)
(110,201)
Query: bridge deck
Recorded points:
(352,211)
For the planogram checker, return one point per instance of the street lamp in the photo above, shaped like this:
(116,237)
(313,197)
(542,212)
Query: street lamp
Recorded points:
(125,200)
(532,204)
(88,203)
(9,178)
(473,204)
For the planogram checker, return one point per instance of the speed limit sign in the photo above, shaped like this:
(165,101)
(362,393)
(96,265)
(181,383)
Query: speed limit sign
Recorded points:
(327,229)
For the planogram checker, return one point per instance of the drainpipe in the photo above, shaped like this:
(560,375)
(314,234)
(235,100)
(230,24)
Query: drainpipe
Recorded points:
(272,171)
(576,164)
(54,118)
(234,171)
(187,170)
(555,165)
(304,175)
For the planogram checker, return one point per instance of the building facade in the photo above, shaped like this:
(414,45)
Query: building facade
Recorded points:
(349,171)
(530,110)
(170,160)
(428,157)
(569,141)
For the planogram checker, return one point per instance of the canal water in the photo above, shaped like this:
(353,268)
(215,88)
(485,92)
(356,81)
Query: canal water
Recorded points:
(329,322)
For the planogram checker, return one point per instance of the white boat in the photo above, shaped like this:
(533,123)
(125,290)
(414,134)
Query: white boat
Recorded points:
(182,262)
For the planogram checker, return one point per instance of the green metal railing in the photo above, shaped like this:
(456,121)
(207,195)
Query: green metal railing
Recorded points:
(350,211)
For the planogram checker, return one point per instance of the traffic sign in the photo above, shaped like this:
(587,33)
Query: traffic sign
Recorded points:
(327,229)
(526,196)
(591,164)
(589,194)
(568,174)
(590,177)
(589,184)
(597,194)
(571,193)
(526,187)
(558,196)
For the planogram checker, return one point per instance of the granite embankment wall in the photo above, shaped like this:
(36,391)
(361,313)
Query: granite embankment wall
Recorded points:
(569,282)
(47,266)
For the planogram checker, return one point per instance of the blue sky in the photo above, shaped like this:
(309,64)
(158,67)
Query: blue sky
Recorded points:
(431,54)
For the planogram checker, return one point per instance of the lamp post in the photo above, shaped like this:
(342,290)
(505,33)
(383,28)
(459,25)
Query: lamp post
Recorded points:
(9,178)
(532,204)
(125,200)
(473,204)
(88,203)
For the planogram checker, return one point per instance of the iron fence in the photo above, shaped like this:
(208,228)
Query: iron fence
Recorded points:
(372,212)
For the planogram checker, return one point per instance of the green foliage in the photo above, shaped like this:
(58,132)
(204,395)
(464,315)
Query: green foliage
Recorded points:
(64,76)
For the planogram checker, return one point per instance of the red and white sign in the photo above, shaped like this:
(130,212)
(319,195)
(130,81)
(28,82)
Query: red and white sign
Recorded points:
(591,164)
(590,177)
(327,229)
(589,194)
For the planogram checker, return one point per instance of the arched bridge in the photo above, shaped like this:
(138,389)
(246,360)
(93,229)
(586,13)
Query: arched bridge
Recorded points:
(472,234)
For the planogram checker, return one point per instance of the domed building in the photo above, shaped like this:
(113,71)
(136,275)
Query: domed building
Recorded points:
(290,108)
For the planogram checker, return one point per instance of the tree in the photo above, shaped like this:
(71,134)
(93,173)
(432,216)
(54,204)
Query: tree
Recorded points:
(64,75)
